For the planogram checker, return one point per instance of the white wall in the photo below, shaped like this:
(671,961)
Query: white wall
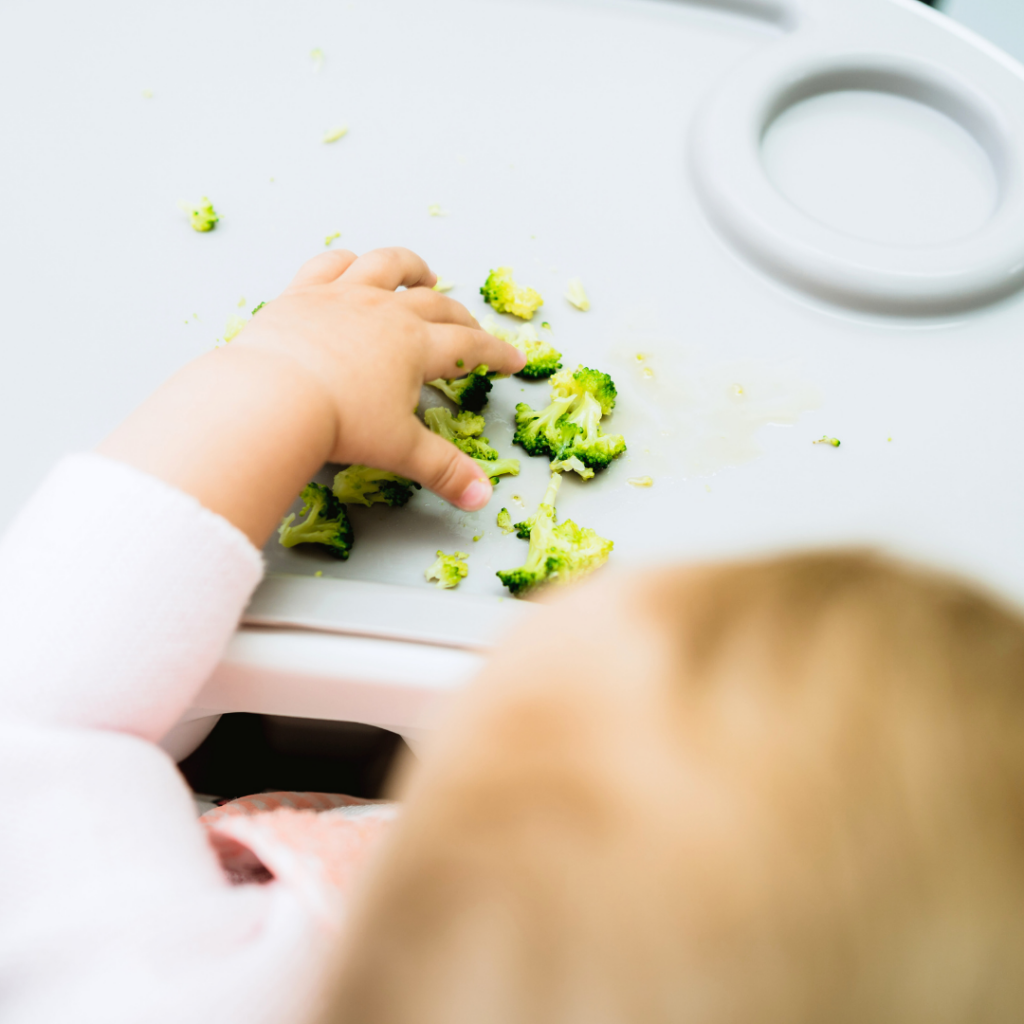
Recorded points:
(1001,21)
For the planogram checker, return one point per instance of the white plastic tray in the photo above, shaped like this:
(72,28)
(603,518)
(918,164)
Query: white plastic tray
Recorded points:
(627,142)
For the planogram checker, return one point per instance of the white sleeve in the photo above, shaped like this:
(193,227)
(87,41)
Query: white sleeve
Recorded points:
(118,594)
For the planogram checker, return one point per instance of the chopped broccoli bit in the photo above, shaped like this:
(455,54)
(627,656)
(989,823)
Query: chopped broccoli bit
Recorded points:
(584,380)
(507,297)
(576,294)
(469,392)
(330,238)
(587,443)
(834,441)
(336,133)
(463,431)
(640,481)
(147,94)
(317,56)
(444,285)
(568,430)
(558,553)
(542,358)
(448,570)
(201,215)
(572,465)
(505,521)
(434,209)
(326,524)
(362,485)
(495,468)
(258,308)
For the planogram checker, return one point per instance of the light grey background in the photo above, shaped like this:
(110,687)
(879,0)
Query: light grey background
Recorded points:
(1001,21)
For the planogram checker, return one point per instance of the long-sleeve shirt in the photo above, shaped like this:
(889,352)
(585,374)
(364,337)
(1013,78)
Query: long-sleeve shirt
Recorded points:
(118,595)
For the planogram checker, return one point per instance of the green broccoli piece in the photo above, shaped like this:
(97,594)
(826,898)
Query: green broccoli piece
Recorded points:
(201,215)
(572,465)
(505,521)
(568,430)
(586,443)
(558,553)
(326,523)
(362,485)
(495,468)
(543,432)
(448,570)
(258,308)
(501,292)
(542,358)
(469,392)
(462,431)
(583,380)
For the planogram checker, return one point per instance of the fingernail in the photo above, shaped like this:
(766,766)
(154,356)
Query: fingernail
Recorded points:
(476,495)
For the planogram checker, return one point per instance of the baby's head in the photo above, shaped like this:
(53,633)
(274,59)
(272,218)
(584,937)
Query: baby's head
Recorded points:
(785,791)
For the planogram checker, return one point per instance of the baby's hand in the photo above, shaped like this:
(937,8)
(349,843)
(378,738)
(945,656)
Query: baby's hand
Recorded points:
(370,348)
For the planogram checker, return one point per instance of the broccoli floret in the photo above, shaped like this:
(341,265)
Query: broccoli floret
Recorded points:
(543,432)
(448,570)
(462,431)
(572,465)
(201,215)
(362,485)
(495,468)
(326,524)
(505,521)
(558,553)
(586,443)
(468,392)
(504,295)
(583,380)
(542,358)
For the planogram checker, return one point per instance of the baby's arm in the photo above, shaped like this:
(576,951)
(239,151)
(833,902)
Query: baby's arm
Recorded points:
(329,371)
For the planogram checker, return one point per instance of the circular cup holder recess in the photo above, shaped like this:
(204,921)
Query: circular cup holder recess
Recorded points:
(745,206)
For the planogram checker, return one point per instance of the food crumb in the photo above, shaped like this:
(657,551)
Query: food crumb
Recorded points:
(317,57)
(825,439)
(330,238)
(443,285)
(577,296)
(147,94)
(319,572)
(888,439)
(242,302)
(233,327)
(647,372)
(333,134)
(435,210)
(477,537)
(737,390)
(640,481)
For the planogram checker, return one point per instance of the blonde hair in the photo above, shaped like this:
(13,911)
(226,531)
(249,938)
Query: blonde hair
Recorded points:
(781,791)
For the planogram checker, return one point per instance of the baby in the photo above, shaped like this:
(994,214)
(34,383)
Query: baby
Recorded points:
(788,791)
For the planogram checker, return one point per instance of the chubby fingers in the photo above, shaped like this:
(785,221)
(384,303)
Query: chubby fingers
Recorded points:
(390,269)
(323,269)
(439,466)
(436,308)
(456,350)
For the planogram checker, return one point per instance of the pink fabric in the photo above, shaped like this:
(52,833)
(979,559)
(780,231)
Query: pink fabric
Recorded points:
(118,595)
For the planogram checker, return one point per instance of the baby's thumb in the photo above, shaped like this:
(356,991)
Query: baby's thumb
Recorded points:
(442,468)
